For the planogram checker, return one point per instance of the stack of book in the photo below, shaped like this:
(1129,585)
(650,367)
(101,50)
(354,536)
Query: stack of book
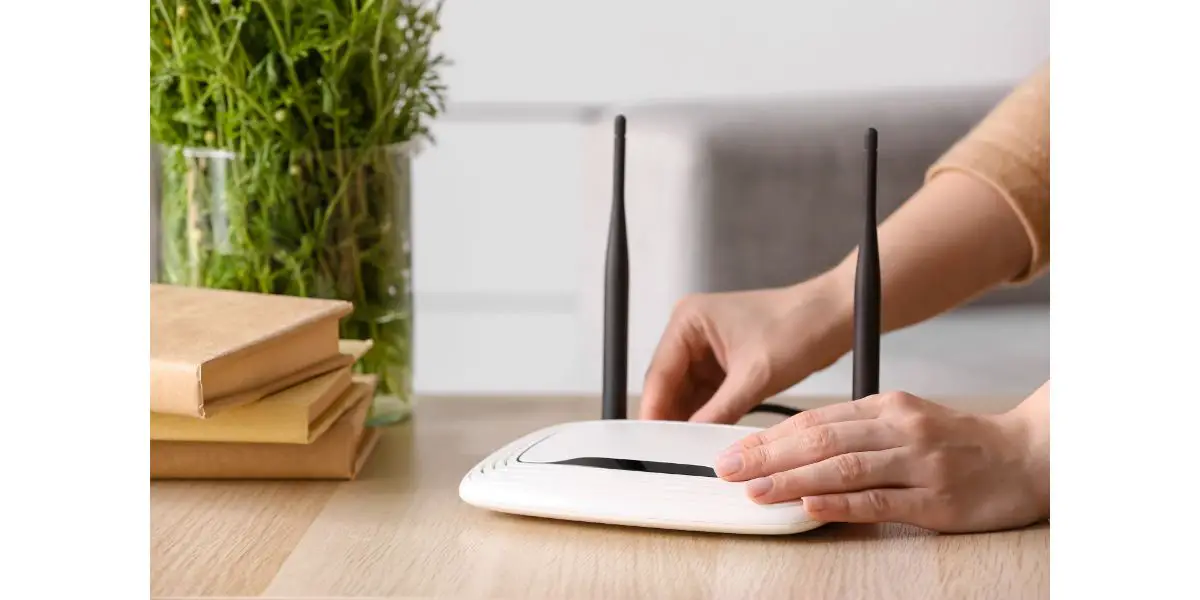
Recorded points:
(254,386)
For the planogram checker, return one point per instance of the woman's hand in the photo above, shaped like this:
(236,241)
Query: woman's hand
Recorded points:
(722,354)
(898,458)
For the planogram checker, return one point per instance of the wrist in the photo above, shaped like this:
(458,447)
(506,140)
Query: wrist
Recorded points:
(1028,427)
(825,306)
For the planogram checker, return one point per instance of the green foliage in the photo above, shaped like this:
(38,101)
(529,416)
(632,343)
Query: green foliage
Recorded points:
(285,127)
(304,74)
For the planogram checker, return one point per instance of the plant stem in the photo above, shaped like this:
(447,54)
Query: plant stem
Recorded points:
(287,60)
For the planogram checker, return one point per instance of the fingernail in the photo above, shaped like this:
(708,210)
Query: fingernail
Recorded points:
(760,486)
(728,464)
(813,503)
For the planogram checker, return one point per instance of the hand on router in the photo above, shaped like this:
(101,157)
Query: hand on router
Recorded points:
(890,457)
(895,457)
(981,220)
(723,354)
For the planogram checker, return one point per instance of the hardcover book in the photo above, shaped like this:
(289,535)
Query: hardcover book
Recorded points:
(214,349)
(296,415)
(338,454)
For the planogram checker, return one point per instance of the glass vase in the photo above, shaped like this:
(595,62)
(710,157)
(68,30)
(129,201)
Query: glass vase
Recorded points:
(333,224)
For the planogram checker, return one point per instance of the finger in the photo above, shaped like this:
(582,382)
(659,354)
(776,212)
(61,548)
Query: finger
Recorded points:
(866,408)
(733,399)
(666,379)
(898,505)
(806,447)
(843,473)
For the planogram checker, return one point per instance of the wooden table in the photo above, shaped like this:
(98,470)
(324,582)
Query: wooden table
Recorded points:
(400,531)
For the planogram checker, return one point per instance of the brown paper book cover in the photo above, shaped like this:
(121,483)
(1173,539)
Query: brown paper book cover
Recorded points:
(296,415)
(338,454)
(214,349)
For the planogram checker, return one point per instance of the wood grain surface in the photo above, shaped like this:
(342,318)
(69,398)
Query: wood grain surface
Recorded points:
(400,531)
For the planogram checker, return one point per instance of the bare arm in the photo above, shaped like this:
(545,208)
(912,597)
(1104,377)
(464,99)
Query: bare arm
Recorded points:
(953,240)
(981,220)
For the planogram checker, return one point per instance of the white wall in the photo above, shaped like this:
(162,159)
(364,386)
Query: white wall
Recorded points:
(589,52)
(498,199)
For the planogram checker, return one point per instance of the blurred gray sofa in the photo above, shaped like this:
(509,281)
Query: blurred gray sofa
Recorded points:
(737,195)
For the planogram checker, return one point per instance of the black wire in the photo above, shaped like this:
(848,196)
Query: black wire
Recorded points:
(778,409)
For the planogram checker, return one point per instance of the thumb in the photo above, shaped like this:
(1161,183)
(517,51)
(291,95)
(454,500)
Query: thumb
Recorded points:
(741,390)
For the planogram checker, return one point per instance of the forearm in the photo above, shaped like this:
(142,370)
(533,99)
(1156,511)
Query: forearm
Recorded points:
(953,240)
(982,218)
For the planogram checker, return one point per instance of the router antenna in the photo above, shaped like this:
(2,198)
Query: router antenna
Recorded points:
(867,287)
(616,290)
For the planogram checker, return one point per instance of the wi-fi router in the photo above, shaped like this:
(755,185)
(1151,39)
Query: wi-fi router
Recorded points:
(657,474)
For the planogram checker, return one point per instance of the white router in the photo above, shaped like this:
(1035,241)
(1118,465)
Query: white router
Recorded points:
(656,474)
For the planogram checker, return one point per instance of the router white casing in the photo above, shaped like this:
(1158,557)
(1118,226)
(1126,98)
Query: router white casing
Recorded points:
(520,478)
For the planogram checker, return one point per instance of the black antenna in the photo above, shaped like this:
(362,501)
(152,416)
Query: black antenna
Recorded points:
(616,290)
(867,288)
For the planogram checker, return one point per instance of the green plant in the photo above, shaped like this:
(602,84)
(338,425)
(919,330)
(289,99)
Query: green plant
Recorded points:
(286,127)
